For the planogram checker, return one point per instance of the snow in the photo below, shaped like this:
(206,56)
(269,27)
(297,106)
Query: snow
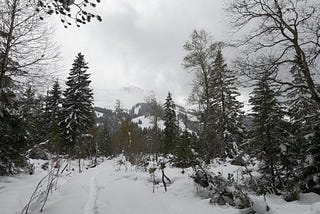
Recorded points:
(136,110)
(112,188)
(193,118)
(99,114)
(146,122)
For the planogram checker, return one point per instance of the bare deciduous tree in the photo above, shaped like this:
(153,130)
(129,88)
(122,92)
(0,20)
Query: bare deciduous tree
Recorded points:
(25,46)
(283,34)
(200,57)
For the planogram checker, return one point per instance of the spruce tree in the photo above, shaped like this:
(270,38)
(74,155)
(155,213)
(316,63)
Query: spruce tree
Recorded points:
(304,116)
(78,104)
(54,117)
(227,113)
(156,113)
(171,129)
(269,136)
(32,114)
(311,172)
(184,156)
(13,143)
(105,139)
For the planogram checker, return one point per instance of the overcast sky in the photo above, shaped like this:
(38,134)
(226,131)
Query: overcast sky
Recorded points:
(139,43)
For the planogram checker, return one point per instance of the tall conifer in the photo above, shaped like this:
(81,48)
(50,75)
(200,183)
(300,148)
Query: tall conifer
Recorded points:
(171,129)
(54,116)
(269,136)
(78,103)
(227,109)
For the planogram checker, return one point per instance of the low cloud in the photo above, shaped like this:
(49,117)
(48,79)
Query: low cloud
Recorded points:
(141,43)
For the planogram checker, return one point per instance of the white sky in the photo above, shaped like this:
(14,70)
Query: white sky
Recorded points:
(140,43)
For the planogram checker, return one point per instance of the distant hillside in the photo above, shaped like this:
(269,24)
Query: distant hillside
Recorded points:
(140,114)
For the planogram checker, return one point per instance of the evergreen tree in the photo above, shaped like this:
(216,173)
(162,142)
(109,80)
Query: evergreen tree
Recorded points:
(54,117)
(12,131)
(156,113)
(269,136)
(105,140)
(183,151)
(227,114)
(171,129)
(78,104)
(311,172)
(304,115)
(32,114)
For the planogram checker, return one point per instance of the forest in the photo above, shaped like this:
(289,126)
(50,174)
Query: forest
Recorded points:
(276,143)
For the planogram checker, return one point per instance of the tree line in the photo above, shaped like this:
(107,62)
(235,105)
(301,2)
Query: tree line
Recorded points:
(279,62)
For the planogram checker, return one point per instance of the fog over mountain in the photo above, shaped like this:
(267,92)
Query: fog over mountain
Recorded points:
(129,96)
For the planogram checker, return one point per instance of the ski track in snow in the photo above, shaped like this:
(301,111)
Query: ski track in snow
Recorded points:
(91,204)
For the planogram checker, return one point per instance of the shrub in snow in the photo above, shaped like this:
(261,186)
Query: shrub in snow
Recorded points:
(39,152)
(291,192)
(221,190)
(41,193)
(201,178)
(261,185)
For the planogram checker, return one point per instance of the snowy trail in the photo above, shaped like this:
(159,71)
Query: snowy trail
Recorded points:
(104,189)
(91,205)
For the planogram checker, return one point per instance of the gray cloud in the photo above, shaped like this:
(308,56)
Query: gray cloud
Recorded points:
(140,43)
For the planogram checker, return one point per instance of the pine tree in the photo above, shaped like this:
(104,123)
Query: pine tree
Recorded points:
(105,139)
(156,113)
(184,156)
(78,104)
(54,117)
(12,131)
(311,173)
(32,114)
(226,109)
(304,115)
(269,136)
(171,129)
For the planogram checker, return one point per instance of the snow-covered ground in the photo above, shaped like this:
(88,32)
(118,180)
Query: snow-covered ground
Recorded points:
(118,189)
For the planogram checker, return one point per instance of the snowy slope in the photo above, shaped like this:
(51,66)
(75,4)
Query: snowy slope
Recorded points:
(146,122)
(117,189)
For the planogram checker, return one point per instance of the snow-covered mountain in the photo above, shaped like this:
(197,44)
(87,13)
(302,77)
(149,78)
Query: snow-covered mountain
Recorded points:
(140,114)
(188,119)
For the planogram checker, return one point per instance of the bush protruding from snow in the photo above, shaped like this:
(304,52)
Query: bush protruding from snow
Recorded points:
(221,190)
(39,152)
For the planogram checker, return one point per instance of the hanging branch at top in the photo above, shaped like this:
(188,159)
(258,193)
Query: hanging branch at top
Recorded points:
(68,10)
